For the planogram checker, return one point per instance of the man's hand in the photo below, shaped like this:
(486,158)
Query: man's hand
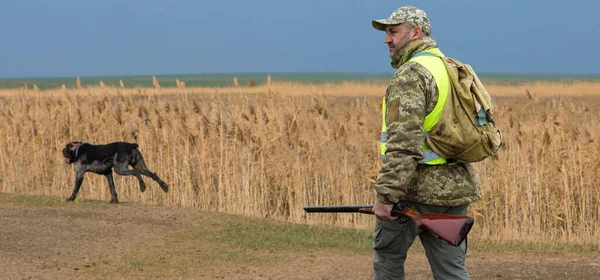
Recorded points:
(383,212)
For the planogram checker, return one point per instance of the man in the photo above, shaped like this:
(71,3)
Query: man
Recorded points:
(411,172)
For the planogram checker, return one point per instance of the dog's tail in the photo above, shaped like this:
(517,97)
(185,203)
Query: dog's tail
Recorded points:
(136,157)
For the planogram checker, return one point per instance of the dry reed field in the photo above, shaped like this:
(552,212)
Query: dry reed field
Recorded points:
(270,150)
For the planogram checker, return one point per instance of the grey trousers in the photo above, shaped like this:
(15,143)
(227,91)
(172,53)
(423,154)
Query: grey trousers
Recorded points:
(393,239)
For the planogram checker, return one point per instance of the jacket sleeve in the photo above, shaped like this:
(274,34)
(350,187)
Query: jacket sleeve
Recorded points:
(407,98)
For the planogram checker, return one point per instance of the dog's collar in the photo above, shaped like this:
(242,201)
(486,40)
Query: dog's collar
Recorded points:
(77,150)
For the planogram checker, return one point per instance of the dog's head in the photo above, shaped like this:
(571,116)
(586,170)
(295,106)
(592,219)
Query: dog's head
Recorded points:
(69,152)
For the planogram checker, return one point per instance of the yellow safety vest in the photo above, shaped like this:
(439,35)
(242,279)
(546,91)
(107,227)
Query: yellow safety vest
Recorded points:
(432,61)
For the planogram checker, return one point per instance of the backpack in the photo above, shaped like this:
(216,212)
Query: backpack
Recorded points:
(466,130)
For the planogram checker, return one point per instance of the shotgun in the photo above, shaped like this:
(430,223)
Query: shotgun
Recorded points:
(451,228)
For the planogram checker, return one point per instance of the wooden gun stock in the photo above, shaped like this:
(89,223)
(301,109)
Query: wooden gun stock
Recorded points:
(451,228)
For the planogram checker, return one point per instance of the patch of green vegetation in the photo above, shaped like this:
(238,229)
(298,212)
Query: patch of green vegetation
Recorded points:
(22,200)
(537,247)
(39,201)
(255,233)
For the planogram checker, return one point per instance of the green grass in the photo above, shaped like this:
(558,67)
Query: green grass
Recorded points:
(539,247)
(254,233)
(37,201)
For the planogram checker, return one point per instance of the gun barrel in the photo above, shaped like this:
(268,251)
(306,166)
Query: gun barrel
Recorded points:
(336,209)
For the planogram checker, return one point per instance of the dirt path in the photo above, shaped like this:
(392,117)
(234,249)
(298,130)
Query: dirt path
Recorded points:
(93,240)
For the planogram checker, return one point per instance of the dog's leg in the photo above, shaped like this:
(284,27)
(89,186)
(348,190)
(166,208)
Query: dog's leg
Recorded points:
(140,166)
(121,169)
(111,187)
(155,177)
(78,182)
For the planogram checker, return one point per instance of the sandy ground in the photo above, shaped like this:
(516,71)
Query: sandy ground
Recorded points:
(128,241)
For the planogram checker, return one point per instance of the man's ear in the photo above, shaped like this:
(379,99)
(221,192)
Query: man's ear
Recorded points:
(416,33)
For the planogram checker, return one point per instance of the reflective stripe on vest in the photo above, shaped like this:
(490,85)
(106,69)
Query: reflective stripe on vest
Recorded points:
(430,59)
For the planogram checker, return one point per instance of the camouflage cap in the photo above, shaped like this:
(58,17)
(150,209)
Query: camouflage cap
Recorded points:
(407,14)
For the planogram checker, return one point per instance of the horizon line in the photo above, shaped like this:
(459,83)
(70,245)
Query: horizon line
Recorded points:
(301,72)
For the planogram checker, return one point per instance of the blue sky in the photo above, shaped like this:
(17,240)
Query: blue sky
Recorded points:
(117,38)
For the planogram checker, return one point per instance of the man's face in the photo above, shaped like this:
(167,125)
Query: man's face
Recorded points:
(397,36)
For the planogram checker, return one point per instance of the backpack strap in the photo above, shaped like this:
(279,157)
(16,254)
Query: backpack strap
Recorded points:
(430,59)
(433,61)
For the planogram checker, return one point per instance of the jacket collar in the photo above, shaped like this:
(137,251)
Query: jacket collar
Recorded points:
(404,54)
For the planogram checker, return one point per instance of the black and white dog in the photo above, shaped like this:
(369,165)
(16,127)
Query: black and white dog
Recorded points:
(102,159)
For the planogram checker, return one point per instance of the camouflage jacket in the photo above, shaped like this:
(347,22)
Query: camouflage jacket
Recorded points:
(410,96)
